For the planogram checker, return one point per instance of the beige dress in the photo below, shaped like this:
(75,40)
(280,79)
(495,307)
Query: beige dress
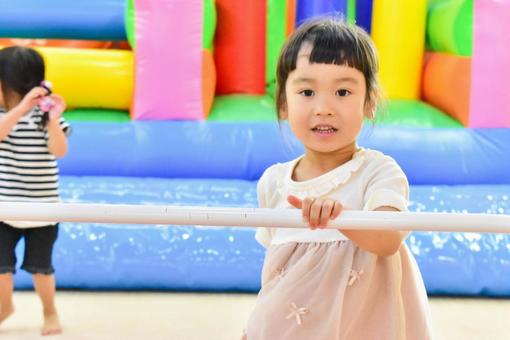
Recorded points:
(319,284)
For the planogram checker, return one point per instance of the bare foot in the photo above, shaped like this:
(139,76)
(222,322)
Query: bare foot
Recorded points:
(5,312)
(51,325)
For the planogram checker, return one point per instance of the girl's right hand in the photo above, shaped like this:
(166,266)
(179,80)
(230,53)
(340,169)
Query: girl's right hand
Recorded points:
(317,211)
(57,108)
(31,99)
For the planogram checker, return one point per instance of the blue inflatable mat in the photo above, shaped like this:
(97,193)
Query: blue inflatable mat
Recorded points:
(118,257)
(244,150)
(63,19)
(462,263)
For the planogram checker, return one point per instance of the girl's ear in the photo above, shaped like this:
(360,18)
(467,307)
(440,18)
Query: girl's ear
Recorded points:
(370,113)
(283,114)
(370,107)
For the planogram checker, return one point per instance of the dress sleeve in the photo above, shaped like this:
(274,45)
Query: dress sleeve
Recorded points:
(263,235)
(388,186)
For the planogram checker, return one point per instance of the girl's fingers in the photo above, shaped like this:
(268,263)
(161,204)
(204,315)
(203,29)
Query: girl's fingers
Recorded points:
(326,212)
(307,204)
(57,98)
(58,108)
(337,209)
(37,92)
(315,213)
(295,201)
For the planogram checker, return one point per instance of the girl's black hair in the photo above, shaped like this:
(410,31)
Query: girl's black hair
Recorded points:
(21,69)
(333,42)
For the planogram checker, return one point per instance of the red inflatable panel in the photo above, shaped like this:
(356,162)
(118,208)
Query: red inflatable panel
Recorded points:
(240,46)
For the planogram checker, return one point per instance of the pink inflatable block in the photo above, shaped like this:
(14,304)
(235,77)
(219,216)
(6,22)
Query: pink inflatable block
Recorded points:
(490,82)
(168,59)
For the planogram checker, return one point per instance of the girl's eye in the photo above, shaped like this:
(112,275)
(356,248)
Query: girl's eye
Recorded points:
(307,93)
(342,92)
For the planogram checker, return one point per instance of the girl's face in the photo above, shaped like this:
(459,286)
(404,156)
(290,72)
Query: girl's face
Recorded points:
(325,104)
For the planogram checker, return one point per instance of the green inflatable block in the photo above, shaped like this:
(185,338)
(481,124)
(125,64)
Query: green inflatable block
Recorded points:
(450,27)
(243,108)
(412,113)
(129,22)
(275,36)
(351,11)
(209,24)
(97,115)
(271,89)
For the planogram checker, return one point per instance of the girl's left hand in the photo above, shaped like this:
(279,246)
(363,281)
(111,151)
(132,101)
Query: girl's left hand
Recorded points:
(59,106)
(317,211)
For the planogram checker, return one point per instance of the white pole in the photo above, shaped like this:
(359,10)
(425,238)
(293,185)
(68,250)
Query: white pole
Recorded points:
(247,217)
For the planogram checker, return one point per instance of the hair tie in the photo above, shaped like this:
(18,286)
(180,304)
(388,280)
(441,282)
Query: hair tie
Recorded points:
(47,85)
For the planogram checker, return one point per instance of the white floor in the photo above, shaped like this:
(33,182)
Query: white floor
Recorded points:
(182,316)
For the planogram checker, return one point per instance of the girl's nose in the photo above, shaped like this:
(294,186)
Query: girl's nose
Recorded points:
(324,107)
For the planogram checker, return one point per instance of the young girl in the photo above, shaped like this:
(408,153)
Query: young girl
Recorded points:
(30,142)
(321,283)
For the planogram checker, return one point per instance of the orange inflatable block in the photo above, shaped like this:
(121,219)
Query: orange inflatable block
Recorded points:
(60,43)
(291,17)
(447,83)
(208,81)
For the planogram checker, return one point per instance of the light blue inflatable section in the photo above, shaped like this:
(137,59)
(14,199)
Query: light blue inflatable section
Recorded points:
(98,256)
(463,263)
(63,19)
(243,150)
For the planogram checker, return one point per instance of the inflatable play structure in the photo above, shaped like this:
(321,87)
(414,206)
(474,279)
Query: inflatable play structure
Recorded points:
(184,115)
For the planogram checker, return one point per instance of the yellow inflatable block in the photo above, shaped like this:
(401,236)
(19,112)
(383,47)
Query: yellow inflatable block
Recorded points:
(398,30)
(91,77)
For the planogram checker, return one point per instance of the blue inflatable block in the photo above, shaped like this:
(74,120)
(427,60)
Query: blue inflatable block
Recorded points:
(244,150)
(101,256)
(307,9)
(463,263)
(364,14)
(63,19)
(98,256)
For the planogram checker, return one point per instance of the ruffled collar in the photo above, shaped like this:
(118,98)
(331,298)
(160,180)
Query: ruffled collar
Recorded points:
(320,186)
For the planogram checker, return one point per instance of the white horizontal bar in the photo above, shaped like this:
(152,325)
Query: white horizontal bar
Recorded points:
(244,217)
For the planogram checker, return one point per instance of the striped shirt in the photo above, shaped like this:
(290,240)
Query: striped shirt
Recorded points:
(28,171)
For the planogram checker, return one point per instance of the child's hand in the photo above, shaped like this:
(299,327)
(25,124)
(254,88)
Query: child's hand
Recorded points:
(58,107)
(317,211)
(31,99)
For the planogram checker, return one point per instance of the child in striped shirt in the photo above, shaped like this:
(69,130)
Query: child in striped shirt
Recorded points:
(30,141)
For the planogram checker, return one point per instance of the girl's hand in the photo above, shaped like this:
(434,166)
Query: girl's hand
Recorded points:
(31,99)
(317,211)
(58,107)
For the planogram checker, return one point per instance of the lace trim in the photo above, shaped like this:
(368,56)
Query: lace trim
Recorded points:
(321,185)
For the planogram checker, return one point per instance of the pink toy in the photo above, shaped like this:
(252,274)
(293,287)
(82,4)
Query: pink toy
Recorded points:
(46,104)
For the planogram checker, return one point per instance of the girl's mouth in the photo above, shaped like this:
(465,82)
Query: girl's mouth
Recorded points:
(324,129)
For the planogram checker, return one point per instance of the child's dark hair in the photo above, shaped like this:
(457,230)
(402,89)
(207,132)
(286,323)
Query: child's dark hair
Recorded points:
(333,42)
(21,69)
